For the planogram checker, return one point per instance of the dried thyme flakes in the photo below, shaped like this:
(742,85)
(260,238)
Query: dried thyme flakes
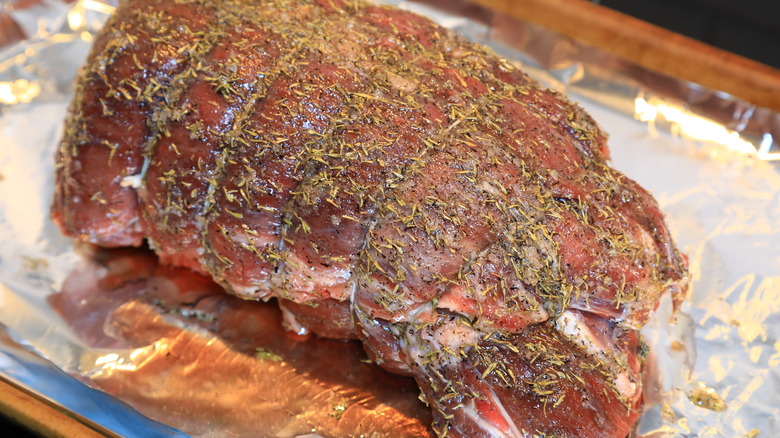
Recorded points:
(34,264)
(267,355)
(338,409)
(706,397)
(407,103)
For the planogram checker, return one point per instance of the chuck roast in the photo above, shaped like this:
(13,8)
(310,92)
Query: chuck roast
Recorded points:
(385,180)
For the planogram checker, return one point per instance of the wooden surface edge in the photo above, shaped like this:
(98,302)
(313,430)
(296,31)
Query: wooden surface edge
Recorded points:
(39,416)
(650,46)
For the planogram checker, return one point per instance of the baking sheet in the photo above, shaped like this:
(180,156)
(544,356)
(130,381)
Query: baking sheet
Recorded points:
(720,192)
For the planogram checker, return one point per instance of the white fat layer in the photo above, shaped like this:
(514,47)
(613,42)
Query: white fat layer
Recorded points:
(576,330)
(291,323)
(624,385)
(304,279)
(471,412)
(647,240)
(251,291)
(134,181)
(447,338)
(455,336)
(307,278)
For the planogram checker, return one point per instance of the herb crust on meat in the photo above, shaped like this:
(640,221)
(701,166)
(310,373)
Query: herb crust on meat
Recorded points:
(385,180)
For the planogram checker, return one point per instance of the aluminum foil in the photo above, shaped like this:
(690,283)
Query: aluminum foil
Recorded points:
(142,350)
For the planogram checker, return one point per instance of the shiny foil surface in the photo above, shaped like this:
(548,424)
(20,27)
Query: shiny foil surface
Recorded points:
(144,350)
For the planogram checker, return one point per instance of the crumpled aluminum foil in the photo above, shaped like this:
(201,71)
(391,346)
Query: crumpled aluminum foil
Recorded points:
(148,351)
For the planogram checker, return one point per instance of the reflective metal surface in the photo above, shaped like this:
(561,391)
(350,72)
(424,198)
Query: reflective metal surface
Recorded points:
(170,345)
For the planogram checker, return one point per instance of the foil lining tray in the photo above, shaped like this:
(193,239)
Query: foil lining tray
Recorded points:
(144,350)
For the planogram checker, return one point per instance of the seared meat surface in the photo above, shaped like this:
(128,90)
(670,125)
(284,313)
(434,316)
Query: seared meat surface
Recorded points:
(386,180)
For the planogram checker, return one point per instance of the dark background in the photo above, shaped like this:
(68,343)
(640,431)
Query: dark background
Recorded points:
(11,428)
(750,28)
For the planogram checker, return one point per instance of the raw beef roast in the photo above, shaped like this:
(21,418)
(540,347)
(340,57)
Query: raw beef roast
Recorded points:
(385,180)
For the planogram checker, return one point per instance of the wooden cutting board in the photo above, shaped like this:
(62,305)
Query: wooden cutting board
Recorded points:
(41,417)
(650,46)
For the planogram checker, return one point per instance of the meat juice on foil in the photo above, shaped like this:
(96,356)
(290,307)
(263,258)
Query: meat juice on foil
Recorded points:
(211,361)
(720,205)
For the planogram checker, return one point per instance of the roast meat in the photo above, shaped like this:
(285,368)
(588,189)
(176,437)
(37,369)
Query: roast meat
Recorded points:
(384,179)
